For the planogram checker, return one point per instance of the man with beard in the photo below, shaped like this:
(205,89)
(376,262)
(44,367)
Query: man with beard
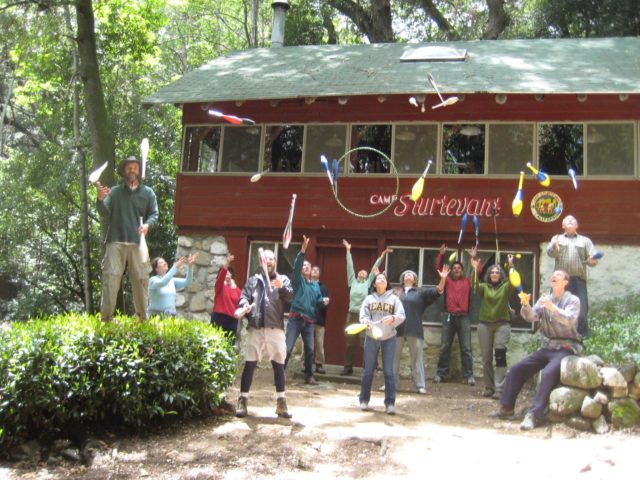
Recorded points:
(132,208)
(263,301)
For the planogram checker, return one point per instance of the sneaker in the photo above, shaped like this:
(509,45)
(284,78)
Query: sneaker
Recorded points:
(346,371)
(241,408)
(390,409)
(529,422)
(381,389)
(311,380)
(422,391)
(504,413)
(319,369)
(488,392)
(437,379)
(471,381)
(281,408)
(364,406)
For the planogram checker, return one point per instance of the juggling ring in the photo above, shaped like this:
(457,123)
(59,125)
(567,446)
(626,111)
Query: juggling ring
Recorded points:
(395,196)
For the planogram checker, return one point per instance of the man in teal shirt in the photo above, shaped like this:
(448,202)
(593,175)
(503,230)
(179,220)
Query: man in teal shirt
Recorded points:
(358,291)
(132,208)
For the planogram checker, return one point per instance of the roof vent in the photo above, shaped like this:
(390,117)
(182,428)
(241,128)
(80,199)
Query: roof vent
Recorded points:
(434,54)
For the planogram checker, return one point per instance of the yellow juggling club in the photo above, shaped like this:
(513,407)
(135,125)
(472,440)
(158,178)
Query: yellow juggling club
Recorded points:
(416,191)
(516,281)
(542,177)
(516,205)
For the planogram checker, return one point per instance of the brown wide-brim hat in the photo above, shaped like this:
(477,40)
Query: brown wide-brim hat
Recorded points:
(124,162)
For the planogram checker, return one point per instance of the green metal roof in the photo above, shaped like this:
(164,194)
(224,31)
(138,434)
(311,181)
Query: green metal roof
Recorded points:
(596,65)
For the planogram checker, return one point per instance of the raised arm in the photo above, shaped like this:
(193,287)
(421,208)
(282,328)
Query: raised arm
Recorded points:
(351,274)
(375,268)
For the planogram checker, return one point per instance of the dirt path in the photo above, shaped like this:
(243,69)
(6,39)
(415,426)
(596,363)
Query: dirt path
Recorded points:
(446,432)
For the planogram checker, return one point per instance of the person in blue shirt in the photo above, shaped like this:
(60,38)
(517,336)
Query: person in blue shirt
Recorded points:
(163,285)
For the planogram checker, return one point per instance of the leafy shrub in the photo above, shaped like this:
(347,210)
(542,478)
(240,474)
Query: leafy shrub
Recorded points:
(615,331)
(61,371)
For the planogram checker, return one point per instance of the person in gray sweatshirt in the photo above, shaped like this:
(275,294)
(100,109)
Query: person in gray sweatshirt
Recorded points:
(382,311)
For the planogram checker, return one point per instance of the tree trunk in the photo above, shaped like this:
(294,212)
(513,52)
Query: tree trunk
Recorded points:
(375,23)
(80,158)
(102,141)
(498,20)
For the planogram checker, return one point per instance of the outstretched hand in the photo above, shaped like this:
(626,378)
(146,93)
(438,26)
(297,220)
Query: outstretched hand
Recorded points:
(443,249)
(347,245)
(445,271)
(305,244)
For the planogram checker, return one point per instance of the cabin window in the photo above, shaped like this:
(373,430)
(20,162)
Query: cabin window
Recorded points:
(283,148)
(610,149)
(414,146)
(284,257)
(510,147)
(201,150)
(240,149)
(463,149)
(377,137)
(560,148)
(423,262)
(327,140)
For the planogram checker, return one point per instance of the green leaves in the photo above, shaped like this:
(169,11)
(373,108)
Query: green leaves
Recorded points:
(69,369)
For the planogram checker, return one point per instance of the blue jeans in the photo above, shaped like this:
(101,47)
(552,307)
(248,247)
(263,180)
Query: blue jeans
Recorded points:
(544,359)
(452,324)
(297,326)
(371,348)
(578,287)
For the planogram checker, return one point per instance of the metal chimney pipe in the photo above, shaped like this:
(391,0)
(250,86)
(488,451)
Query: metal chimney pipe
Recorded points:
(280,8)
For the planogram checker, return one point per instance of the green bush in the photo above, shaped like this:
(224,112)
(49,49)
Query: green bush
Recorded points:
(615,331)
(61,371)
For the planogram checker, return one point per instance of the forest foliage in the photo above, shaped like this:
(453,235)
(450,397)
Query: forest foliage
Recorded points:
(143,45)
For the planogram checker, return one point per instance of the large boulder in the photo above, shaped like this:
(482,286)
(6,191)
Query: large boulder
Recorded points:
(612,378)
(566,400)
(634,387)
(624,412)
(590,408)
(579,372)
(600,425)
(628,371)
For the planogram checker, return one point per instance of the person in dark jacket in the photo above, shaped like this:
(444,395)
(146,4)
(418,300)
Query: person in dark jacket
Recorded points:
(415,301)
(132,208)
(321,321)
(264,300)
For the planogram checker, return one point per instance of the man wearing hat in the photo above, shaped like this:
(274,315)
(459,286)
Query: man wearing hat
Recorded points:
(125,205)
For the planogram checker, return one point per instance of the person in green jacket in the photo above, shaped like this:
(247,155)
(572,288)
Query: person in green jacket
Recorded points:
(358,291)
(132,208)
(494,326)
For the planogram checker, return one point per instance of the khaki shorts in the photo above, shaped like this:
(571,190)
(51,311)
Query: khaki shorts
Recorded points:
(271,339)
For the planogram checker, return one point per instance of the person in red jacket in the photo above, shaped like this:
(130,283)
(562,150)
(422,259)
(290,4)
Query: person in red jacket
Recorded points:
(227,295)
(456,318)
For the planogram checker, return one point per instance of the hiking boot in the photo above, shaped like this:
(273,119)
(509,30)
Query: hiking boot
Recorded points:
(488,392)
(311,380)
(504,413)
(347,371)
(225,406)
(364,406)
(241,408)
(471,381)
(390,409)
(281,408)
(529,422)
(437,379)
(319,369)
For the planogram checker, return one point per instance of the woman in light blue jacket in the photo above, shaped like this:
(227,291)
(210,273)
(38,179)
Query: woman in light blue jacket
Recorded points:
(163,285)
(382,311)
